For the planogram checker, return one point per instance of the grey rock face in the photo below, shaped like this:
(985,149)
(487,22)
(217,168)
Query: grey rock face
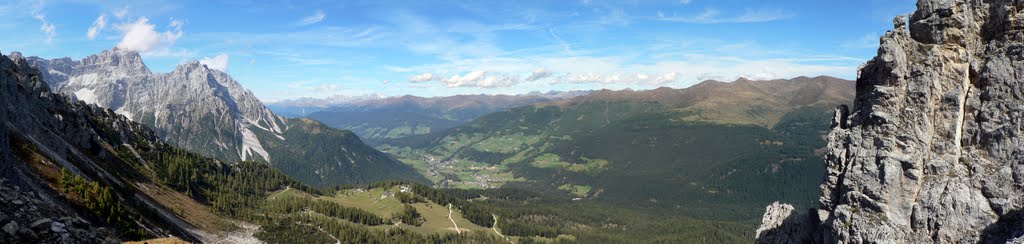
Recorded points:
(783,224)
(193,106)
(72,135)
(43,229)
(933,149)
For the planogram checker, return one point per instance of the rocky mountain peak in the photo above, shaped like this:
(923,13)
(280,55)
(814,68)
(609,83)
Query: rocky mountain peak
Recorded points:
(193,66)
(16,56)
(192,97)
(931,150)
(118,59)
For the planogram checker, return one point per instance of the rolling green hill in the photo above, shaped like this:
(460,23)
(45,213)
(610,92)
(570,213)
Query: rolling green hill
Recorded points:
(318,155)
(715,151)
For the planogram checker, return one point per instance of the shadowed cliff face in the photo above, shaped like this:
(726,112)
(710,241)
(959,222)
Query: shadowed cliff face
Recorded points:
(42,132)
(932,149)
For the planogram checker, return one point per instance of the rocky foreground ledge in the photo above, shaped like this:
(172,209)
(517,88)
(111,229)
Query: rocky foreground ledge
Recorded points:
(27,218)
(932,150)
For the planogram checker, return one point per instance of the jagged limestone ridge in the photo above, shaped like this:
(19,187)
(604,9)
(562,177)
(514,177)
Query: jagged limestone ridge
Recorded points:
(932,149)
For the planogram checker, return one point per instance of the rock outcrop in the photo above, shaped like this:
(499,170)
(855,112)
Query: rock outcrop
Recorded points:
(25,218)
(933,148)
(42,132)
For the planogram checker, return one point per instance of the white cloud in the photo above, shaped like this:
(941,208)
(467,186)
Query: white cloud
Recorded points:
(481,79)
(47,27)
(667,78)
(219,62)
(469,78)
(97,26)
(539,73)
(424,77)
(312,19)
(621,78)
(478,79)
(142,36)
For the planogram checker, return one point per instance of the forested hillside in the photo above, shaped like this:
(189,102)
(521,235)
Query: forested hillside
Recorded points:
(703,151)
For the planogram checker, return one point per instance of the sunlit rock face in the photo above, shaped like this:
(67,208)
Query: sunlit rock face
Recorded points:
(193,106)
(932,149)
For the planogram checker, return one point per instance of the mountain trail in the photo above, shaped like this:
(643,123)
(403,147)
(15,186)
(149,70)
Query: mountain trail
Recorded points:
(495,228)
(286,188)
(453,221)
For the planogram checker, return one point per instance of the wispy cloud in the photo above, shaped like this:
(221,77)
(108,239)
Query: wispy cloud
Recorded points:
(97,26)
(334,37)
(312,19)
(47,28)
(714,16)
(867,41)
(566,47)
(120,13)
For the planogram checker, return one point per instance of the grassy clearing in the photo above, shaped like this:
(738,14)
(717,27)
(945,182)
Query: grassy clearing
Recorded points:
(369,200)
(549,161)
(437,221)
(435,216)
(576,190)
(506,144)
(452,144)
(552,161)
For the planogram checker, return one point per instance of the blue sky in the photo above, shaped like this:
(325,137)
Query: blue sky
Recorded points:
(289,49)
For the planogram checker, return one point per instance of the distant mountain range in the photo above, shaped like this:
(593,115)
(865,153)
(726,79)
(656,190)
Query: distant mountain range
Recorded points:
(300,107)
(395,117)
(716,149)
(303,106)
(206,111)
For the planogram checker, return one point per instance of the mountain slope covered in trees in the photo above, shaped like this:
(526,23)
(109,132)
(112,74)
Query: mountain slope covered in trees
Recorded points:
(715,150)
